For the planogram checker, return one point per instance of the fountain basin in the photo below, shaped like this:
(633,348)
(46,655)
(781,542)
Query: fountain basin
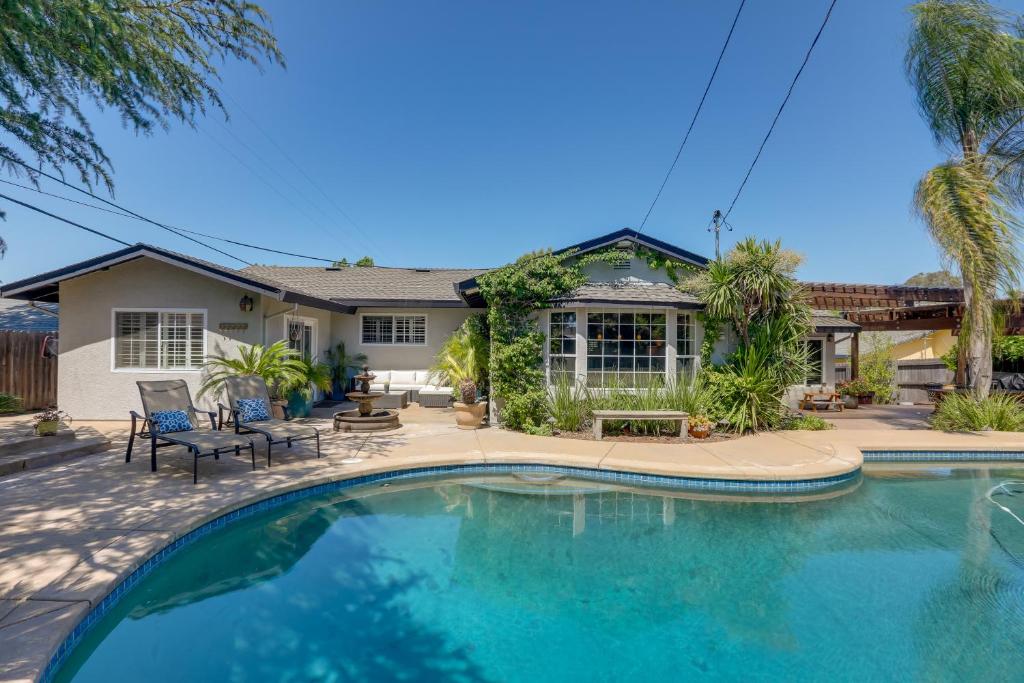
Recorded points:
(376,421)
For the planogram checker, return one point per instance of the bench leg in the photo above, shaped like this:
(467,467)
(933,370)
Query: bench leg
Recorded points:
(597,429)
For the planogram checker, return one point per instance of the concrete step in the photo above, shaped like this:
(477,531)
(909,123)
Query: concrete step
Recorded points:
(21,438)
(52,450)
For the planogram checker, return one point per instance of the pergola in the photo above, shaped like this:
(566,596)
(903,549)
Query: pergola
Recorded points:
(889,308)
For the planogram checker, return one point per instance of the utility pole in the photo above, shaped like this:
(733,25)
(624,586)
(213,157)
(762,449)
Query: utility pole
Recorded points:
(717,223)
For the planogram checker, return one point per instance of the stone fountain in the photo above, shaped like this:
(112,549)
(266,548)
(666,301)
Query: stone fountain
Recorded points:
(365,418)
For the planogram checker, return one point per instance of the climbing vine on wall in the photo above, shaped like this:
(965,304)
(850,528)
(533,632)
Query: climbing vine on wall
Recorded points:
(513,294)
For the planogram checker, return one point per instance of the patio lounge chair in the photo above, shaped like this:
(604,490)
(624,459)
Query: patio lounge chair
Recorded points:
(173,395)
(273,430)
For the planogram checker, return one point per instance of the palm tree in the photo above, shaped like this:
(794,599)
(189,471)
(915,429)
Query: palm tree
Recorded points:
(281,367)
(968,69)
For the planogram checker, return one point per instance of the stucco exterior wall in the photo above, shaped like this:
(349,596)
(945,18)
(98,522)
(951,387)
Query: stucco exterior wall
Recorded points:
(935,345)
(87,386)
(441,322)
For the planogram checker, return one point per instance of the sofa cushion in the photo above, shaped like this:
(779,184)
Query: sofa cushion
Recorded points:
(403,377)
(423,377)
(382,377)
(430,389)
(405,387)
(376,386)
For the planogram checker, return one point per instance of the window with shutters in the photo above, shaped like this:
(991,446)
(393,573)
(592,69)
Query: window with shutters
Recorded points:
(158,340)
(406,330)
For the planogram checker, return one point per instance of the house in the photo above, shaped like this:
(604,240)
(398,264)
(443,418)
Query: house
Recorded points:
(144,312)
(24,316)
(906,345)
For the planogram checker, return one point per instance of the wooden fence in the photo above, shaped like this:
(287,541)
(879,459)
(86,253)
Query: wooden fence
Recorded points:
(912,377)
(24,372)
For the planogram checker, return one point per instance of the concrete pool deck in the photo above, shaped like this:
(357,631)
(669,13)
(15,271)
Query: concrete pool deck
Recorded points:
(71,532)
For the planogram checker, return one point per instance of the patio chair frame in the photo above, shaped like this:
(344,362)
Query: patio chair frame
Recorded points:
(158,440)
(234,419)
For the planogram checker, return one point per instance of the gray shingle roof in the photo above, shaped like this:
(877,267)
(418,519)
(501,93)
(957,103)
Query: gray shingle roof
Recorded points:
(630,292)
(824,322)
(373,285)
(19,316)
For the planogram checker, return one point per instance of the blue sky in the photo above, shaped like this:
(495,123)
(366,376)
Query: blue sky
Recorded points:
(465,133)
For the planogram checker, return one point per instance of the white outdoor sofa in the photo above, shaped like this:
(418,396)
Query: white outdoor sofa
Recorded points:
(419,383)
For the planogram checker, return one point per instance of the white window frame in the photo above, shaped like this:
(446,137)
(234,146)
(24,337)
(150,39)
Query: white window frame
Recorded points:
(821,371)
(426,329)
(159,311)
(694,356)
(547,347)
(312,322)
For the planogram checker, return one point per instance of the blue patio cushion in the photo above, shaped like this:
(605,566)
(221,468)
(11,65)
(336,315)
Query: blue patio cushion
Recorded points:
(252,410)
(167,421)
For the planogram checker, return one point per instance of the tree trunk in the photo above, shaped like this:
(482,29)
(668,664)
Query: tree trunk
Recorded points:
(978,310)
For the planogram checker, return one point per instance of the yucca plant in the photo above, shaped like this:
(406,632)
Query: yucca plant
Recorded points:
(279,366)
(964,413)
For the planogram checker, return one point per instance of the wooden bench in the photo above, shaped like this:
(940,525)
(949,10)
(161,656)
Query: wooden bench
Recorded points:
(658,415)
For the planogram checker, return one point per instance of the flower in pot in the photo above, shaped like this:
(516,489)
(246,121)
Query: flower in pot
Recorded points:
(458,365)
(48,422)
(700,426)
(859,388)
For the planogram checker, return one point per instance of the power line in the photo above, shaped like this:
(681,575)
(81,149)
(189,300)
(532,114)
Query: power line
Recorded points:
(789,92)
(139,216)
(302,171)
(696,113)
(192,232)
(65,220)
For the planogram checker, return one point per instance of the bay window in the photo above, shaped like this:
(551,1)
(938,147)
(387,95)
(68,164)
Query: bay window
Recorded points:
(625,348)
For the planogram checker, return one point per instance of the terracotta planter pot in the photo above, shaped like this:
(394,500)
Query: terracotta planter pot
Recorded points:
(277,409)
(699,432)
(48,428)
(470,415)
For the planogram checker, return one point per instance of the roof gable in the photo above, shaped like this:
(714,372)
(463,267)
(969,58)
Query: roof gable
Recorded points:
(630,235)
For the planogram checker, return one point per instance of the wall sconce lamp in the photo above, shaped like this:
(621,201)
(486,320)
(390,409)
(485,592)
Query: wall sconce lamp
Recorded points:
(245,304)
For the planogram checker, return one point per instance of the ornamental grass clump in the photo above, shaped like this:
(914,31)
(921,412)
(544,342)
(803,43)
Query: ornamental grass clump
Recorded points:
(964,413)
(569,405)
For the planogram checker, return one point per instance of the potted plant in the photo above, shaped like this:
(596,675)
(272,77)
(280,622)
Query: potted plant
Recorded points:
(278,365)
(858,388)
(457,365)
(48,422)
(700,426)
(342,366)
(313,374)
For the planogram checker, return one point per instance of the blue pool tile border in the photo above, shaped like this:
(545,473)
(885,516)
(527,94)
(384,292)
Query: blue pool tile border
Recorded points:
(941,456)
(633,478)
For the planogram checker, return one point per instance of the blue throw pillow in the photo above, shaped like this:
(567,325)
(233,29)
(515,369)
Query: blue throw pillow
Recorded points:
(165,421)
(252,410)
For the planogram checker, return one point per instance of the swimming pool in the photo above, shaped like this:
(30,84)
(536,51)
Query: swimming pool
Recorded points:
(906,574)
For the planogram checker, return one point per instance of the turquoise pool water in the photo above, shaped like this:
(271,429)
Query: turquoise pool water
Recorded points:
(906,575)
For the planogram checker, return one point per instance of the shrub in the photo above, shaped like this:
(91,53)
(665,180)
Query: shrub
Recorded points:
(810,423)
(878,369)
(10,404)
(964,413)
